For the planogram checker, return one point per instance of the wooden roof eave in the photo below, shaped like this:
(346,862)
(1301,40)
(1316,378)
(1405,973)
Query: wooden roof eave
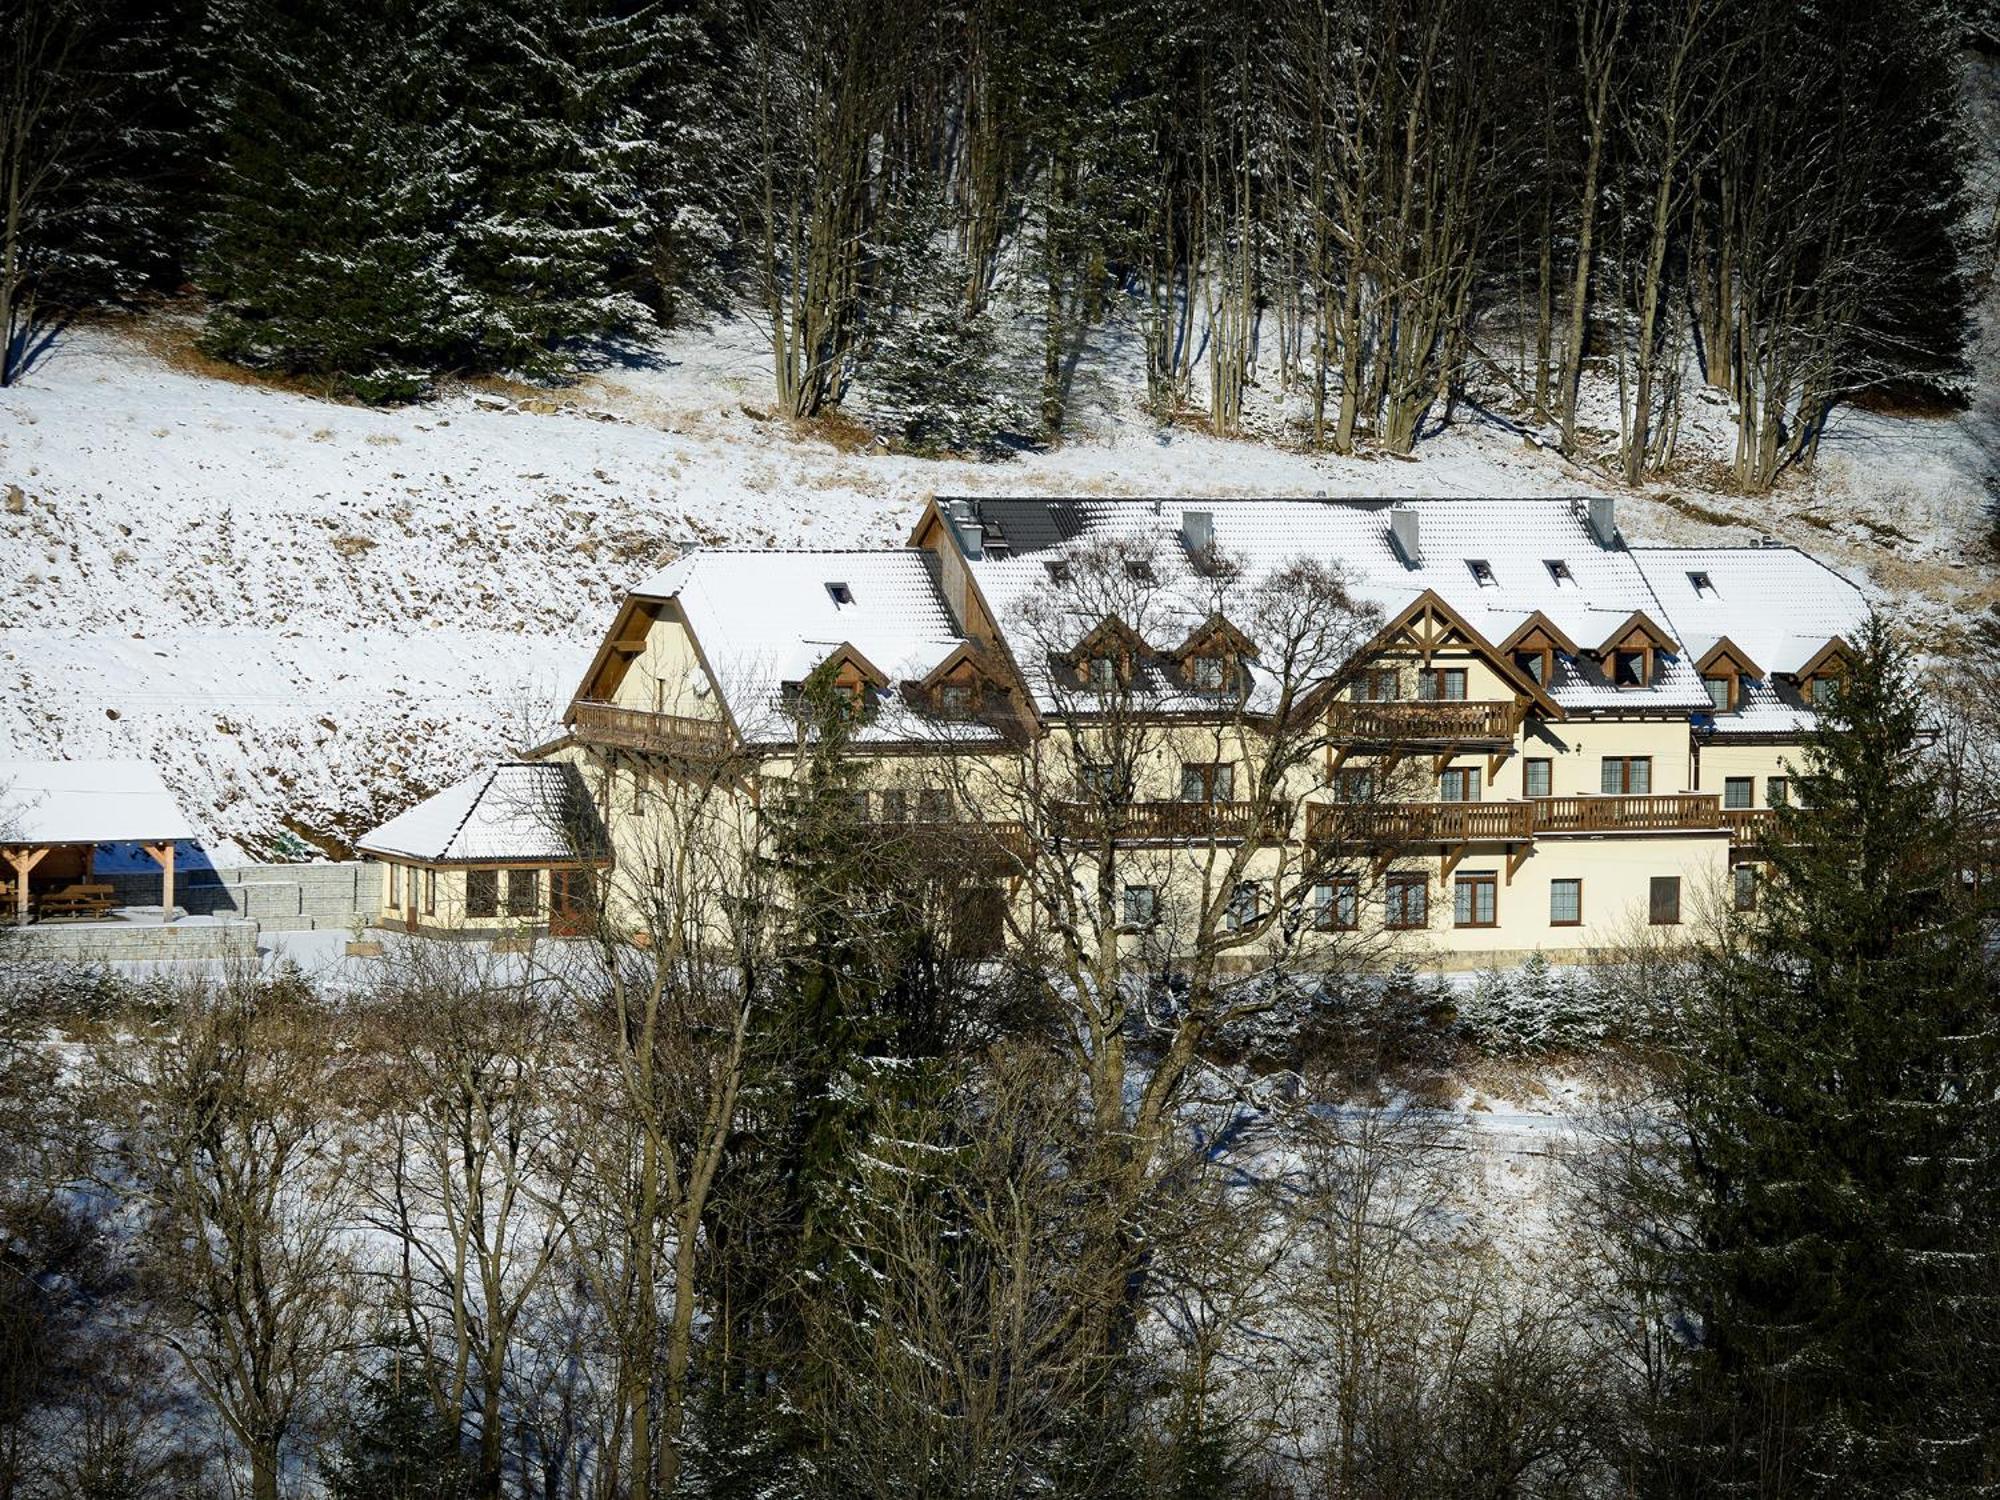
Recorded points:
(1640,621)
(1835,649)
(1537,621)
(1525,687)
(1727,650)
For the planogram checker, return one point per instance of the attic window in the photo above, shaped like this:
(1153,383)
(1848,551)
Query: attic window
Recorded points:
(1058,571)
(1628,669)
(1482,571)
(1703,584)
(840,594)
(1139,570)
(1559,572)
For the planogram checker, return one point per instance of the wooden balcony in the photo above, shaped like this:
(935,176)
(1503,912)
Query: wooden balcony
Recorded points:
(1748,826)
(1397,823)
(1668,813)
(1161,822)
(1424,722)
(638,729)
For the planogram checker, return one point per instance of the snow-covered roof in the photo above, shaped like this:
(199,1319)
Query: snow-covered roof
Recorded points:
(87,802)
(1776,605)
(1536,556)
(516,811)
(766,619)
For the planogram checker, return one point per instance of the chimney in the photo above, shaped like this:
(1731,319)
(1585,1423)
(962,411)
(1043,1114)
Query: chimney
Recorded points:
(1604,519)
(1198,531)
(971,533)
(1403,532)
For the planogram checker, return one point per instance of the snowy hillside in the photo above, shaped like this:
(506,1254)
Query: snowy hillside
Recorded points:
(309,613)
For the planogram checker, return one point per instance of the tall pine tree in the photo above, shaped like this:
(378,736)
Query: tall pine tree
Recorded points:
(1838,1177)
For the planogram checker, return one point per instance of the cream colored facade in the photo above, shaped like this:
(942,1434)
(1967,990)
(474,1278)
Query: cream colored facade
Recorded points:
(1480,795)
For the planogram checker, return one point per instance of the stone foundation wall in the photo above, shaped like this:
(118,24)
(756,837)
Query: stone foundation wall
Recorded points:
(279,898)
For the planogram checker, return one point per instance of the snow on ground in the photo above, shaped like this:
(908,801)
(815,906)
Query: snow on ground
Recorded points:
(309,614)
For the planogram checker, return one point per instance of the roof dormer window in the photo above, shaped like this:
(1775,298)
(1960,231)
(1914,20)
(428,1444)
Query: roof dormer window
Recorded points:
(1208,673)
(1628,669)
(1139,570)
(1704,586)
(1559,572)
(1102,673)
(1482,572)
(840,594)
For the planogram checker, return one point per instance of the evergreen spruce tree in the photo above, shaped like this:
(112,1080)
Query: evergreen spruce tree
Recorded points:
(397,1448)
(1838,1185)
(546,152)
(326,250)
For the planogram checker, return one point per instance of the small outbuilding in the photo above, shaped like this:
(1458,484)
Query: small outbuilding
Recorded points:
(518,846)
(54,814)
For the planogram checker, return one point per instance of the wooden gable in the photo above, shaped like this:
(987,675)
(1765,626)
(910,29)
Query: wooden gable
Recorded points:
(1829,661)
(1638,633)
(1727,659)
(851,670)
(1215,636)
(1429,625)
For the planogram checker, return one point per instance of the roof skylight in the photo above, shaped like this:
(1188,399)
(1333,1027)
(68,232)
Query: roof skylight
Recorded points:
(1703,584)
(1482,572)
(1559,572)
(840,594)
(1139,570)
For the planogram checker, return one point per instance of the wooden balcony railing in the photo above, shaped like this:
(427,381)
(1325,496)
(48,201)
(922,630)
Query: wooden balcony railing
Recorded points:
(638,729)
(1424,721)
(1666,813)
(1163,822)
(1421,822)
(1748,826)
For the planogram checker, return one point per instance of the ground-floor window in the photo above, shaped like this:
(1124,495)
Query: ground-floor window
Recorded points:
(1406,901)
(482,893)
(524,892)
(1336,905)
(1565,903)
(1142,904)
(430,892)
(1475,900)
(396,886)
(1744,879)
(1664,906)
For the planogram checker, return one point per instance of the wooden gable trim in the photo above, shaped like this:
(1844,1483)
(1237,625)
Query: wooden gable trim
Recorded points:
(1731,658)
(1834,654)
(1639,624)
(1216,628)
(1539,625)
(847,654)
(1429,603)
(1093,642)
(616,650)
(980,622)
(966,654)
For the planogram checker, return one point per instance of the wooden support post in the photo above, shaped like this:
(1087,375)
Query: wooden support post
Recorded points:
(23,861)
(164,853)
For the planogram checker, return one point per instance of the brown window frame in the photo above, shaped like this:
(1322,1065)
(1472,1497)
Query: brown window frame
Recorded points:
(1216,777)
(1730,784)
(1199,663)
(1642,669)
(1743,893)
(515,905)
(1326,914)
(1468,781)
(1777,791)
(957,700)
(1473,884)
(1548,766)
(1421,884)
(1575,921)
(1440,678)
(1369,682)
(488,903)
(1151,897)
(1350,778)
(395,896)
(1657,887)
(1625,764)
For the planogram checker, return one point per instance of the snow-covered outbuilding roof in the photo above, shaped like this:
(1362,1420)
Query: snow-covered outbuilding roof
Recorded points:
(766,620)
(515,812)
(49,802)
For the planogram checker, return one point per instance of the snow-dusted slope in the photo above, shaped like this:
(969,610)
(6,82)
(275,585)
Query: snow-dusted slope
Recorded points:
(308,614)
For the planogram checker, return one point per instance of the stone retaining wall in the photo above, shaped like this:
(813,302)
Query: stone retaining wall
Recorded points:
(141,942)
(279,898)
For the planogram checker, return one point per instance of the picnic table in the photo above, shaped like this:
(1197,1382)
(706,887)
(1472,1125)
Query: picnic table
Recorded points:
(85,899)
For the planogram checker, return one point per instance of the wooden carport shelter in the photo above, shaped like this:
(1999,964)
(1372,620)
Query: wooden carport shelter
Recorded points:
(53,808)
